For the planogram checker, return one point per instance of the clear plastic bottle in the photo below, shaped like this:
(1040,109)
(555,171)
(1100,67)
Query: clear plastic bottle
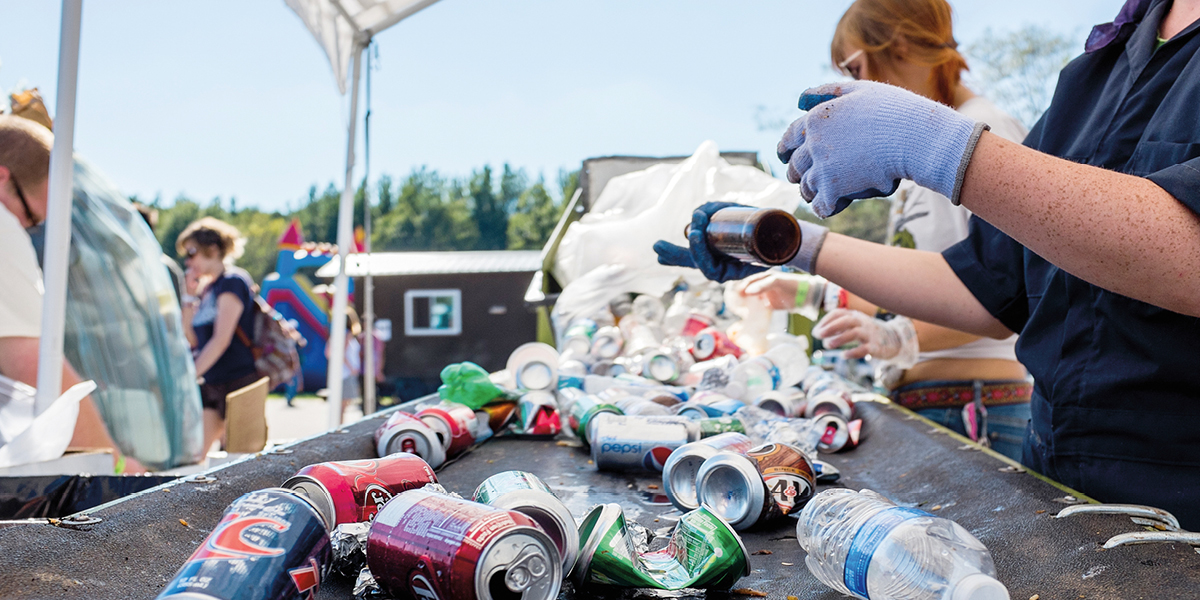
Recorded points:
(862,544)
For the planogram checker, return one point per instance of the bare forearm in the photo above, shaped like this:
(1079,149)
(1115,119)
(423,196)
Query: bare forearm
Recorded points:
(209,355)
(919,285)
(1120,232)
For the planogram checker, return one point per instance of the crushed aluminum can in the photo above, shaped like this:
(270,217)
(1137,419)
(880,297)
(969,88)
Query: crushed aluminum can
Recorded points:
(696,322)
(624,446)
(679,472)
(703,552)
(789,402)
(836,433)
(269,545)
(455,425)
(825,472)
(349,548)
(767,482)
(353,491)
(403,432)
(538,414)
(431,546)
(712,343)
(497,415)
(528,495)
(584,408)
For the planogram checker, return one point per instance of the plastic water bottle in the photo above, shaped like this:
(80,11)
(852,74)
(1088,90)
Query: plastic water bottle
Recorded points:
(862,544)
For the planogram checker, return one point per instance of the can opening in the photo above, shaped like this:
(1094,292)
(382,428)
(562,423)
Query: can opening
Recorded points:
(776,238)
(774,406)
(498,587)
(683,480)
(726,492)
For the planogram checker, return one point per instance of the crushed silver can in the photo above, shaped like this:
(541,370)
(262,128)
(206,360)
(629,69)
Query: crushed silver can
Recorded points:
(788,402)
(433,546)
(679,472)
(527,494)
(765,483)
(403,432)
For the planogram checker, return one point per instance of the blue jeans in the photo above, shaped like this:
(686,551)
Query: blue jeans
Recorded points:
(1006,425)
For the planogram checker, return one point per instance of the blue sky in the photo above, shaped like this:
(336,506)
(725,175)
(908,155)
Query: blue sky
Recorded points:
(234,98)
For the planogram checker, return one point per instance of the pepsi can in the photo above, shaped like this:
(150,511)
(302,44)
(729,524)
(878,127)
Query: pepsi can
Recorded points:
(620,446)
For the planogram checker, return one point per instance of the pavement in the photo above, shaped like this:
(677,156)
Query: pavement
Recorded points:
(306,418)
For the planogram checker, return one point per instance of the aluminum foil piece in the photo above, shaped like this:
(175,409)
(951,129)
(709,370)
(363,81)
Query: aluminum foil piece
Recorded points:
(365,587)
(349,544)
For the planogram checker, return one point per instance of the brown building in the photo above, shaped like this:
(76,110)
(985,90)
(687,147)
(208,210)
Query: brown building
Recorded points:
(446,307)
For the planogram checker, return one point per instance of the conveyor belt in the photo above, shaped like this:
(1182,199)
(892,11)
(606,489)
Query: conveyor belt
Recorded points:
(142,541)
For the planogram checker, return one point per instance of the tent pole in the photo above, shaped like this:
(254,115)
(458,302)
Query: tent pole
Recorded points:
(345,238)
(58,210)
(368,279)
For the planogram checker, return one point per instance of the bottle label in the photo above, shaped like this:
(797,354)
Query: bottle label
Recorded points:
(867,540)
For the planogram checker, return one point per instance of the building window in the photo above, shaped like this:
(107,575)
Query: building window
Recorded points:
(432,312)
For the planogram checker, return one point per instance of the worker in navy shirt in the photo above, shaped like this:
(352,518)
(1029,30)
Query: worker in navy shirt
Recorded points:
(1085,241)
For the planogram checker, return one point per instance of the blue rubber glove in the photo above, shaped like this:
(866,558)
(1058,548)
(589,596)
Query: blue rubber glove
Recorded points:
(716,266)
(860,138)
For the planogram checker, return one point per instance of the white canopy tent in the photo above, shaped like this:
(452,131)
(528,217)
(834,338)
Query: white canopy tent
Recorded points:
(343,28)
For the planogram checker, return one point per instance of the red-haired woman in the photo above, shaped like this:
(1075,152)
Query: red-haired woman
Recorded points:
(969,383)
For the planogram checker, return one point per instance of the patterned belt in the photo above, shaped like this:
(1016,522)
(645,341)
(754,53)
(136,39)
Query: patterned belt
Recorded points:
(952,394)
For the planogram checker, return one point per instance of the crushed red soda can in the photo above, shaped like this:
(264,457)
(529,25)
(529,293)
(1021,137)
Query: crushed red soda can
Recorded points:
(538,414)
(269,545)
(497,415)
(403,432)
(455,425)
(696,322)
(353,491)
(433,546)
(765,483)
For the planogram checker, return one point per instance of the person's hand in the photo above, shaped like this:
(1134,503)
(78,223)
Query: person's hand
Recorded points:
(191,282)
(777,289)
(860,138)
(716,266)
(894,341)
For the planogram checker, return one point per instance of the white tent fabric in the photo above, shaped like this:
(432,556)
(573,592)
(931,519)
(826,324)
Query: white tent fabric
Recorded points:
(337,23)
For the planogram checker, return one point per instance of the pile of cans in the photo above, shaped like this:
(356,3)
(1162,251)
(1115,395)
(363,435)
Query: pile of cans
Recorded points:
(513,539)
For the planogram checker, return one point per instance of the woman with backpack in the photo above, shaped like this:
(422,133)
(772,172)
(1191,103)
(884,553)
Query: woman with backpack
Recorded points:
(218,302)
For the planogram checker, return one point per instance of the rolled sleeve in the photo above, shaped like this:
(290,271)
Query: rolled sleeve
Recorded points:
(992,266)
(1181,181)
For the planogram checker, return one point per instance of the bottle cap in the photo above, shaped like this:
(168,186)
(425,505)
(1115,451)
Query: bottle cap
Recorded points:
(978,586)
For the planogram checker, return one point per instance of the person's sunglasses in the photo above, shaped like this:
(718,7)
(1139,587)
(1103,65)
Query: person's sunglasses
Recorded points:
(25,203)
(845,68)
(191,252)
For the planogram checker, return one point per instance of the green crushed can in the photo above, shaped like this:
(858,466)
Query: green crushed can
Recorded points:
(704,552)
(582,411)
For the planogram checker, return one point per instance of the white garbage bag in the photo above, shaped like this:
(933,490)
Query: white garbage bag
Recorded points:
(640,208)
(46,436)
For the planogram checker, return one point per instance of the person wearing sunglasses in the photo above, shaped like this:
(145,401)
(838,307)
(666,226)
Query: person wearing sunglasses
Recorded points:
(969,383)
(24,176)
(1085,239)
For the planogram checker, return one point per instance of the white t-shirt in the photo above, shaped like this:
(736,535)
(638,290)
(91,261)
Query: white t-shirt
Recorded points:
(926,220)
(21,279)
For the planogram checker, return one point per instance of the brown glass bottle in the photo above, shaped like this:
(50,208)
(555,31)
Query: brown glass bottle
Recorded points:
(767,236)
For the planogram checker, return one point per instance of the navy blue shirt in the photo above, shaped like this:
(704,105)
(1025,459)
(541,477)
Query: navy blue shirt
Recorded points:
(238,360)
(1116,402)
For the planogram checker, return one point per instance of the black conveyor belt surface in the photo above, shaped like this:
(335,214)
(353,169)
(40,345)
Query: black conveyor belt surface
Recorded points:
(142,541)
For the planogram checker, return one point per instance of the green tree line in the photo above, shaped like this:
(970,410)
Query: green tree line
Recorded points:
(486,210)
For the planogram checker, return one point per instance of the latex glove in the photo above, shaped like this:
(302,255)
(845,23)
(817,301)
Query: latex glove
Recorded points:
(716,266)
(806,295)
(860,138)
(893,341)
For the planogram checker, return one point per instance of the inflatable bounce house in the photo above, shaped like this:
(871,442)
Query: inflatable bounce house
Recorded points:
(292,293)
